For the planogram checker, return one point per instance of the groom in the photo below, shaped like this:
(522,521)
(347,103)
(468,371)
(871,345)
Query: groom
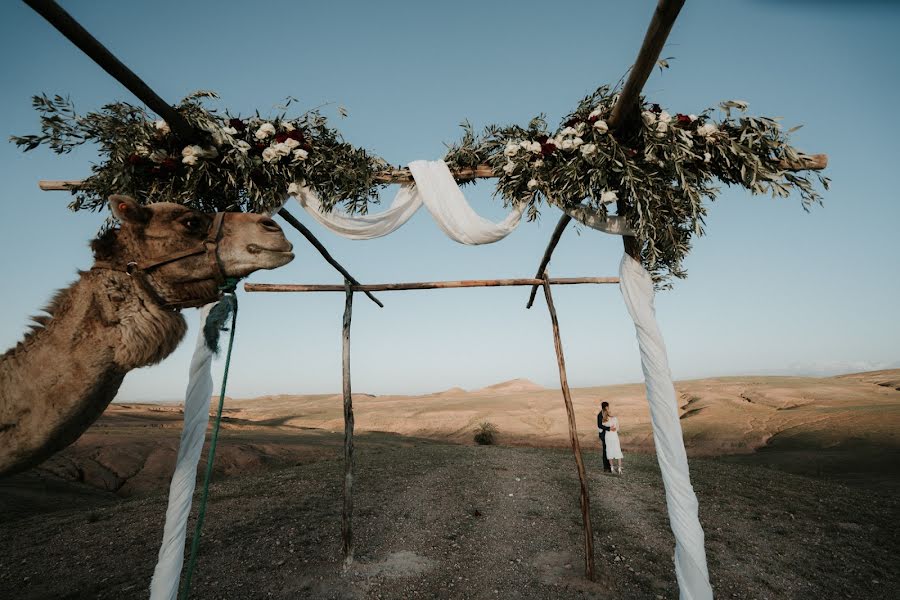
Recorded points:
(603,429)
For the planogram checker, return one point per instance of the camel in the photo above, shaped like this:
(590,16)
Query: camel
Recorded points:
(122,314)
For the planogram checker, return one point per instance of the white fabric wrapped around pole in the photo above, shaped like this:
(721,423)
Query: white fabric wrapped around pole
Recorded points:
(167,574)
(434,187)
(690,553)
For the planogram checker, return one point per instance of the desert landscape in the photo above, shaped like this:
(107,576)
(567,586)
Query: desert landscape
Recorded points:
(797,481)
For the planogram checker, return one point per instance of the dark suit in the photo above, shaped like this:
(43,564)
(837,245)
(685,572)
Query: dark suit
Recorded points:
(603,429)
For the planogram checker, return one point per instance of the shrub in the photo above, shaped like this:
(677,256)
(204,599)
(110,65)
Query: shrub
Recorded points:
(485,433)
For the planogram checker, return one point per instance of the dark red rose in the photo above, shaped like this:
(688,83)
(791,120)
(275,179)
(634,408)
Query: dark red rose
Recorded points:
(572,122)
(296,135)
(683,119)
(593,119)
(656,108)
(237,124)
(306,146)
(169,164)
(541,139)
(134,159)
(548,148)
(280,137)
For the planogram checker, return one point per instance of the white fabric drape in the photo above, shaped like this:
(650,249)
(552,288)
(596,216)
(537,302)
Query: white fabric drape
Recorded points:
(690,554)
(167,574)
(435,188)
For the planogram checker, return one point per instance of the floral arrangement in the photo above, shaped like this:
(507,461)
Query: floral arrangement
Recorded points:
(665,167)
(241,164)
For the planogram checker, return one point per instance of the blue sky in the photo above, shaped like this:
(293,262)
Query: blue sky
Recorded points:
(771,289)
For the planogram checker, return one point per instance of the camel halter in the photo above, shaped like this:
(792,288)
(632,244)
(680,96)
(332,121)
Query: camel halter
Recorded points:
(209,247)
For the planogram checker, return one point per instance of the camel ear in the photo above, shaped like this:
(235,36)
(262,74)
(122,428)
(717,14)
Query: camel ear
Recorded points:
(127,210)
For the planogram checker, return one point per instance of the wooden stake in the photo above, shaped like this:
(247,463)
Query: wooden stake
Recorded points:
(347,513)
(305,232)
(423,285)
(573,438)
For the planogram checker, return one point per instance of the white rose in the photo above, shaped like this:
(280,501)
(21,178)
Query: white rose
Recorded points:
(287,126)
(291,143)
(648,117)
(662,127)
(707,157)
(264,131)
(589,149)
(601,126)
(538,163)
(525,144)
(509,167)
(161,126)
(608,196)
(229,130)
(511,149)
(707,130)
(270,154)
(532,183)
(569,131)
(190,154)
(294,189)
(535,147)
(282,149)
(300,154)
(595,113)
(664,117)
(567,145)
(692,118)
(242,146)
(577,141)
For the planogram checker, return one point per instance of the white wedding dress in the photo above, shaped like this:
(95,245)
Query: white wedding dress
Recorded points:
(613,447)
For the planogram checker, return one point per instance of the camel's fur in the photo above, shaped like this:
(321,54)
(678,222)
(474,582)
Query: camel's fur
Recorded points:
(68,368)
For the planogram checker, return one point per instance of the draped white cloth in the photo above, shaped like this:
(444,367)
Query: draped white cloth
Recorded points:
(167,574)
(690,554)
(437,190)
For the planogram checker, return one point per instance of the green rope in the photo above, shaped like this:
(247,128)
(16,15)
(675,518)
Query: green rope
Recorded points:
(230,298)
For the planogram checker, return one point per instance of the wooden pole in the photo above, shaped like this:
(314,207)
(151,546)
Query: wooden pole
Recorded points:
(347,513)
(78,35)
(305,232)
(422,285)
(654,39)
(806,162)
(573,438)
(545,260)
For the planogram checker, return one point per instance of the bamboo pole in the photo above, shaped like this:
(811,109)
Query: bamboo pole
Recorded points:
(545,260)
(347,513)
(422,285)
(573,438)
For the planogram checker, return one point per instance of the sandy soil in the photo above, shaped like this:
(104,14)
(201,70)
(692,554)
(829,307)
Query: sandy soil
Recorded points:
(442,521)
(805,507)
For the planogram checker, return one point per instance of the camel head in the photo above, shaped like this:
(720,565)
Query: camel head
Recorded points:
(182,255)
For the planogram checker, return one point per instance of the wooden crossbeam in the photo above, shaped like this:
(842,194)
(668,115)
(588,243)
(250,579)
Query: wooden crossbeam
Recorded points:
(422,285)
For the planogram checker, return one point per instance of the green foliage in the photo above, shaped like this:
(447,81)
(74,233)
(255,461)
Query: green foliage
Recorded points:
(665,170)
(231,168)
(485,434)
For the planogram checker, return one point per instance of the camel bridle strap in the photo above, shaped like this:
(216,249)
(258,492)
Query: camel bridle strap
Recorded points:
(209,247)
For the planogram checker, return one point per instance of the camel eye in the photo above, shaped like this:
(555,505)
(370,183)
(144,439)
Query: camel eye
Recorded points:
(192,224)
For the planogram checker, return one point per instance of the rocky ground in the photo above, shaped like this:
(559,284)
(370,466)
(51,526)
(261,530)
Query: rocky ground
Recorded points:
(436,520)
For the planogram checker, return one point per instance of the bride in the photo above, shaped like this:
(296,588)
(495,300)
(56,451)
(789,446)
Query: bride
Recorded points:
(613,446)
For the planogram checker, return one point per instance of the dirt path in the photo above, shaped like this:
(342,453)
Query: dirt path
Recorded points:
(441,521)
